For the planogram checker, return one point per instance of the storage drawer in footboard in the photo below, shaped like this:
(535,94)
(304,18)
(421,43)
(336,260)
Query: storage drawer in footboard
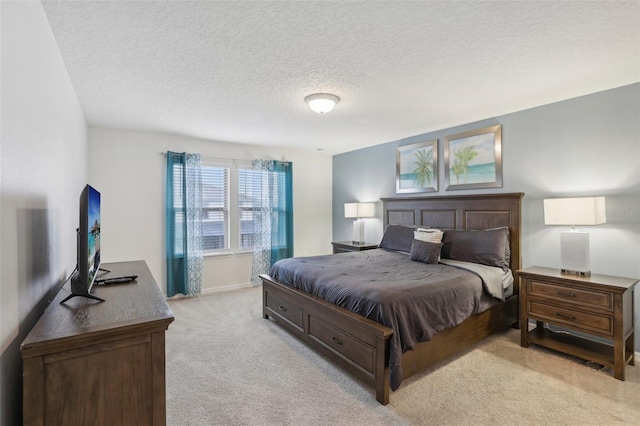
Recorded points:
(350,347)
(354,342)
(281,307)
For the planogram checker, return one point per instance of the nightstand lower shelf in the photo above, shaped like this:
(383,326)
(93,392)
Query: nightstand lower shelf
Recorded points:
(601,353)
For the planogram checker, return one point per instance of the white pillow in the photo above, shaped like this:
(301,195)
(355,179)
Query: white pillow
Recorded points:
(428,235)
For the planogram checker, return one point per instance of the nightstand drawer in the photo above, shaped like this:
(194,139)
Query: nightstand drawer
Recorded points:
(581,320)
(571,295)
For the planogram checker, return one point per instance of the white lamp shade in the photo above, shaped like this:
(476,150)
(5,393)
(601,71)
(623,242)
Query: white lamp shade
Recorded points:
(575,211)
(365,209)
(322,102)
(358,210)
(350,210)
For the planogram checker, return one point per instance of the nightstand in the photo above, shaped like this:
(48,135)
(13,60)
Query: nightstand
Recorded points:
(597,305)
(345,246)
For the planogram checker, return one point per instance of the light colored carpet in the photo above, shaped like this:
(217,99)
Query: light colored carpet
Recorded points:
(226,365)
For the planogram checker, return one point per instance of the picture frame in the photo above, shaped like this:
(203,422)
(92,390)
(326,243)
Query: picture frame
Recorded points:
(473,159)
(417,167)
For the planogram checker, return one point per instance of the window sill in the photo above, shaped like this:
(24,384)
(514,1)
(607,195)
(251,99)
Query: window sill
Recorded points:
(217,253)
(226,253)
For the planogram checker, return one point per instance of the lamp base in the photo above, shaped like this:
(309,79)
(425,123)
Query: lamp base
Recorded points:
(580,273)
(358,232)
(574,252)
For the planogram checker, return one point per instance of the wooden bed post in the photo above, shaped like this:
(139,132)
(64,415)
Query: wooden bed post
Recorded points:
(382,371)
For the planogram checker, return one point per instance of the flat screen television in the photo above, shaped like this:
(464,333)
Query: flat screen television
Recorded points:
(88,245)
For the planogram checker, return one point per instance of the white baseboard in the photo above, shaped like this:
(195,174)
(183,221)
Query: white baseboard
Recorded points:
(208,291)
(225,288)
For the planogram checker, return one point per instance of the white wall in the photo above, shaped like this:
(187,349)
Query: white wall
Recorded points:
(128,169)
(42,153)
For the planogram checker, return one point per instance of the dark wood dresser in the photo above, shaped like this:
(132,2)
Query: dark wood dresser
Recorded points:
(597,305)
(100,363)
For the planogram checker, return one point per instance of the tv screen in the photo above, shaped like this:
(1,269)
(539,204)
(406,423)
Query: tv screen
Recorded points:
(89,236)
(88,243)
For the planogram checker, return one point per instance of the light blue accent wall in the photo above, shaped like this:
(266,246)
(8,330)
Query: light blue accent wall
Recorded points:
(578,147)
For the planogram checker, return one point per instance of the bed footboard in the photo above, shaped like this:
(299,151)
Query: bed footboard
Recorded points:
(357,344)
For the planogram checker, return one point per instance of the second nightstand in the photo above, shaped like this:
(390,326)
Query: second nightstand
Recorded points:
(597,305)
(345,246)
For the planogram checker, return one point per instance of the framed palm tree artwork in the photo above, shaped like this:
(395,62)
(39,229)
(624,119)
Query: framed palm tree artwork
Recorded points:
(473,159)
(417,167)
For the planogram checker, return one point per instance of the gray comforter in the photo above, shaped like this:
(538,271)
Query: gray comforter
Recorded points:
(416,300)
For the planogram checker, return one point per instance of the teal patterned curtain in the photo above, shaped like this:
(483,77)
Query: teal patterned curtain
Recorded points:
(272,216)
(184,224)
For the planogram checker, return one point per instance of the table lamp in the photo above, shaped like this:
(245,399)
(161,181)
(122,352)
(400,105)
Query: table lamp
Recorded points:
(359,211)
(574,244)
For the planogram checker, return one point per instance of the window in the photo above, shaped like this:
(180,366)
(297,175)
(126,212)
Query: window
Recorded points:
(229,191)
(215,207)
(178,210)
(249,182)
(280,212)
(245,208)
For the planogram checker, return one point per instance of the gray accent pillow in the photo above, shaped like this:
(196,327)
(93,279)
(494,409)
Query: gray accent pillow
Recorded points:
(397,238)
(425,252)
(488,247)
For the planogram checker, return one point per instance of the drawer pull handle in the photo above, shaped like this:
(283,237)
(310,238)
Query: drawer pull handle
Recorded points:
(282,308)
(565,293)
(336,340)
(561,315)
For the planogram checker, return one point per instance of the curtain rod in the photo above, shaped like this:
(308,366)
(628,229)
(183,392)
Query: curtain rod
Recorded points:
(164,153)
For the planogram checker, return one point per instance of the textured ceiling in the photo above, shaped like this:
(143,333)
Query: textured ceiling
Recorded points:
(239,71)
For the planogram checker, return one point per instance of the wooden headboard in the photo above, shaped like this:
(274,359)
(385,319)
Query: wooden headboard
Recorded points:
(473,212)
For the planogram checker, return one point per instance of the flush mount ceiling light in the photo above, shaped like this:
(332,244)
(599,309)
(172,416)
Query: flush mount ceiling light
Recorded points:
(321,102)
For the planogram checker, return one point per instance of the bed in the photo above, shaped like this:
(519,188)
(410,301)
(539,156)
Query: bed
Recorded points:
(367,348)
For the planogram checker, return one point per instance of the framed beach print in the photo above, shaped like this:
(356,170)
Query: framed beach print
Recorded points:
(473,159)
(417,167)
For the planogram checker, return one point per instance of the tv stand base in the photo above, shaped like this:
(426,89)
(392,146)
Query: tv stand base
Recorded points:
(79,288)
(88,296)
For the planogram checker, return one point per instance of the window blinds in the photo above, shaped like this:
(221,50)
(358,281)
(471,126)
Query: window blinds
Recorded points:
(215,207)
